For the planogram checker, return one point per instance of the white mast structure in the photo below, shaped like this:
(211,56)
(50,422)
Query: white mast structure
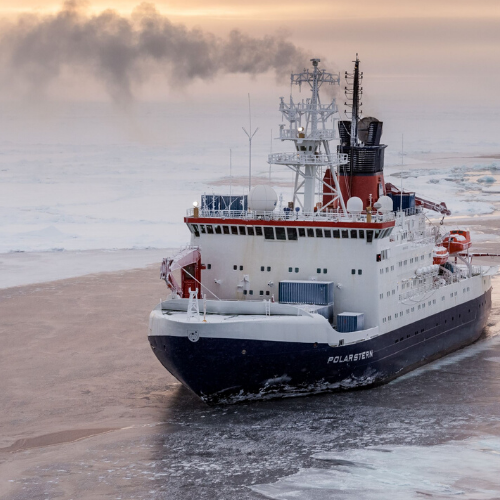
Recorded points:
(308,129)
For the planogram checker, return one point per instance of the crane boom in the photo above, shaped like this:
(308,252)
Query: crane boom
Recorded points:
(430,205)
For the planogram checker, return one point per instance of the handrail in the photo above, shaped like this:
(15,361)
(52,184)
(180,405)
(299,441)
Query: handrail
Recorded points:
(335,216)
(304,158)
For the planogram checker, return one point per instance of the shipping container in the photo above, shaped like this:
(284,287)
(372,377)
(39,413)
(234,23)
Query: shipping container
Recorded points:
(306,292)
(223,202)
(408,200)
(350,322)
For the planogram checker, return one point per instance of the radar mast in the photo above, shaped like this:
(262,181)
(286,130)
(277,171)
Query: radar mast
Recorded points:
(308,129)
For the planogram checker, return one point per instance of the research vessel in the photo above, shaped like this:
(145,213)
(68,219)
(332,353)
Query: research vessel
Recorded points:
(347,286)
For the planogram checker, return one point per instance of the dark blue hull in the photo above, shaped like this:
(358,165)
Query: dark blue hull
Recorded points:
(230,370)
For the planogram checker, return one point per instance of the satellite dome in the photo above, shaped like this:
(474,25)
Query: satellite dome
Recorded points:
(384,204)
(354,205)
(262,198)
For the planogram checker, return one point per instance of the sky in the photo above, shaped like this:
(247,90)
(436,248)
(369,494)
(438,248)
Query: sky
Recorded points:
(441,49)
(440,58)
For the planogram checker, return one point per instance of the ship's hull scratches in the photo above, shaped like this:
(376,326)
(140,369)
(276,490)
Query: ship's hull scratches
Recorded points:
(233,370)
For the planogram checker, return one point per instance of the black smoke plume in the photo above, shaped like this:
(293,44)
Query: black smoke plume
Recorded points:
(123,52)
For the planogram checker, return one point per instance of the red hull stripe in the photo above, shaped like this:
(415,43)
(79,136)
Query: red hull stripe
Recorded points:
(292,223)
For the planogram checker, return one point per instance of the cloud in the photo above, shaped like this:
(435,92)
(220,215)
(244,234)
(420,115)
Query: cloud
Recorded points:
(124,52)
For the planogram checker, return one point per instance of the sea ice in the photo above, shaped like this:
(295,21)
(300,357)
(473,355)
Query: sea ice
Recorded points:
(468,469)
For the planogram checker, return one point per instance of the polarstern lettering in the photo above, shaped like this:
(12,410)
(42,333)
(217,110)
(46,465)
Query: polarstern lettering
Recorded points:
(351,357)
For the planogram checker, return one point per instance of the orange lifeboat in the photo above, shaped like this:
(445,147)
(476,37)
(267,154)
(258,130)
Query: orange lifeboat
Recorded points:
(457,241)
(440,255)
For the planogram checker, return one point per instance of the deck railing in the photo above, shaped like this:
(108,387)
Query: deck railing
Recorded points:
(291,215)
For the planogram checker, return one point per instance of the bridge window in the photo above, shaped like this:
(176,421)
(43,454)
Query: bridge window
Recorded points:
(243,231)
(302,232)
(290,269)
(250,231)
(235,268)
(225,229)
(269,233)
(234,229)
(280,233)
(354,233)
(319,233)
(291,233)
(195,230)
(268,269)
(362,234)
(369,235)
(258,231)
(310,232)
(241,268)
(325,270)
(210,229)
(353,271)
(218,230)
(345,233)
(328,233)
(377,233)
(296,269)
(262,268)
(360,272)
(336,233)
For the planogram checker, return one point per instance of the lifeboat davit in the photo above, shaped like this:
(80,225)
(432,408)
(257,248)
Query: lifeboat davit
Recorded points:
(440,255)
(457,241)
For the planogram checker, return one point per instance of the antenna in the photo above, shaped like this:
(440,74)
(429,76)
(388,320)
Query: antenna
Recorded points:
(402,163)
(230,176)
(271,152)
(250,135)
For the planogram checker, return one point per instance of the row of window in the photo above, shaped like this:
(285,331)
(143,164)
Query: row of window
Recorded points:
(402,263)
(250,292)
(290,233)
(420,306)
(423,329)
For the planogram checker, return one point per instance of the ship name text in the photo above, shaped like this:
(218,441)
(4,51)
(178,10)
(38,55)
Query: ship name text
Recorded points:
(350,357)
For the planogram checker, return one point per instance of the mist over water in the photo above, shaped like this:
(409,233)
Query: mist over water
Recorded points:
(124,52)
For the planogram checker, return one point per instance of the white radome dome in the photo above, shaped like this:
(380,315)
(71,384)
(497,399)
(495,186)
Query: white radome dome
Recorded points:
(354,205)
(384,204)
(262,198)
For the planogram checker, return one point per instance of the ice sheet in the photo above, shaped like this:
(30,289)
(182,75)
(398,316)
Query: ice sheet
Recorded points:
(467,469)
(22,268)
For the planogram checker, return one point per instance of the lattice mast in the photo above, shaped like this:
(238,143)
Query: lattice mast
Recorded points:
(309,129)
